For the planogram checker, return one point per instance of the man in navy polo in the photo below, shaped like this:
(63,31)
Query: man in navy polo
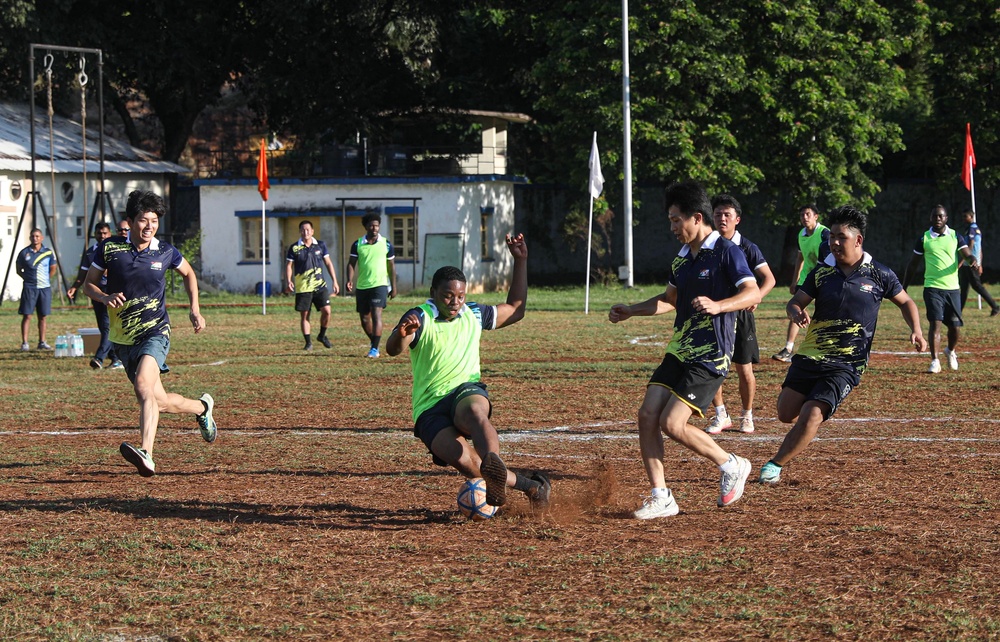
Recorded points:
(848,287)
(101,231)
(140,327)
(36,265)
(709,280)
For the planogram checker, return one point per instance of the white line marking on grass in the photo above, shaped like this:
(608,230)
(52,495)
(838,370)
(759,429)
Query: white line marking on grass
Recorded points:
(646,341)
(203,365)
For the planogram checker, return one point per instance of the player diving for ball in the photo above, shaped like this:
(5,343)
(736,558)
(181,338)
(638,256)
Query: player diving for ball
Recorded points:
(450,403)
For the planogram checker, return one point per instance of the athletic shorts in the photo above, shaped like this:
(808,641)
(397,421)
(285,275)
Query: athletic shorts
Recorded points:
(829,386)
(319,298)
(944,305)
(746,349)
(156,346)
(371,298)
(442,415)
(693,384)
(34,297)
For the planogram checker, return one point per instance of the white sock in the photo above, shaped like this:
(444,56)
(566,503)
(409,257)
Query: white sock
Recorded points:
(790,346)
(748,414)
(661,492)
(730,466)
(720,411)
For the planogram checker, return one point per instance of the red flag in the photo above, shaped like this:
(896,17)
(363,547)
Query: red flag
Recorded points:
(262,183)
(969,160)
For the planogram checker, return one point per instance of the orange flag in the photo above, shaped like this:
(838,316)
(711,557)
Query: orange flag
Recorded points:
(262,183)
(969,160)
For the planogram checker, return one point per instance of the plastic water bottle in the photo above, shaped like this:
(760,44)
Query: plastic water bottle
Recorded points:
(77,345)
(61,345)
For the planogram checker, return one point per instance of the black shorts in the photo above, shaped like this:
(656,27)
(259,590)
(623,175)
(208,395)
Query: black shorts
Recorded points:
(829,386)
(442,415)
(319,298)
(371,298)
(944,305)
(746,349)
(693,384)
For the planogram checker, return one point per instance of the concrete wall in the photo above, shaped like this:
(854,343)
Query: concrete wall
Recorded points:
(446,206)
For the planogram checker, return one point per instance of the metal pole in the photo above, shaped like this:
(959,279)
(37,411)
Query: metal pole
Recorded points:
(31,118)
(627,126)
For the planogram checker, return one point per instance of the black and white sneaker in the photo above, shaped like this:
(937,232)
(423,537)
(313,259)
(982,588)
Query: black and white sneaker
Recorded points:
(494,471)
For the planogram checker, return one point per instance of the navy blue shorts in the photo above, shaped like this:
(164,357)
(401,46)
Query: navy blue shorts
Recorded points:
(944,305)
(828,386)
(442,415)
(33,297)
(319,298)
(693,384)
(156,346)
(746,349)
(371,298)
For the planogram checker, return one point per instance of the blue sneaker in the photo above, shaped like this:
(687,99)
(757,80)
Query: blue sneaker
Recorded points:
(205,421)
(770,473)
(373,353)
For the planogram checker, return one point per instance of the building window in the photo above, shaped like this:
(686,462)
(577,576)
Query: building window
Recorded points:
(67,192)
(11,225)
(15,190)
(486,233)
(79,227)
(250,238)
(404,242)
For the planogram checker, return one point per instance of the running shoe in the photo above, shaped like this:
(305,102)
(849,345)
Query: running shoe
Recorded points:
(784,355)
(138,458)
(731,484)
(952,359)
(746,424)
(653,507)
(308,346)
(935,367)
(373,353)
(117,365)
(540,496)
(44,346)
(25,347)
(770,473)
(205,421)
(95,364)
(718,424)
(326,342)
(494,471)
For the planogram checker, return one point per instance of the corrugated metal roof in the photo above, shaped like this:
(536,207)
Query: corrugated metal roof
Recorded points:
(67,143)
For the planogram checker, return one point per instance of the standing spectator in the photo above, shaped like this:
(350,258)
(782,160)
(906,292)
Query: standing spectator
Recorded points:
(848,288)
(966,273)
(140,327)
(371,272)
(36,265)
(305,260)
(939,248)
(727,213)
(708,281)
(102,231)
(814,245)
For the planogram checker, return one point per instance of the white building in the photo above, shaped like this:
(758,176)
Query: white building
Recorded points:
(430,221)
(69,194)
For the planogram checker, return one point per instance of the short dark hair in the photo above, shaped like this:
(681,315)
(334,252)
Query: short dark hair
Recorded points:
(310,223)
(808,206)
(371,216)
(446,274)
(848,216)
(141,201)
(102,226)
(727,200)
(690,198)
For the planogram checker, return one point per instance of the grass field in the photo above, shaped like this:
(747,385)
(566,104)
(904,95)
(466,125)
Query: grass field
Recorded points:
(317,515)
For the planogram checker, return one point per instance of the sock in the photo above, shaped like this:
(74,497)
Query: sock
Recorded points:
(524,484)
(322,333)
(730,466)
(790,345)
(720,411)
(661,492)
(748,414)
(376,339)
(308,338)
(771,461)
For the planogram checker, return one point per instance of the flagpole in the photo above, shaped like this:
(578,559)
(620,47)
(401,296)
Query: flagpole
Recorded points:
(590,234)
(627,118)
(263,257)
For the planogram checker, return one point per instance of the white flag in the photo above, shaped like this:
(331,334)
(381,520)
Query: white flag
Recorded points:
(596,177)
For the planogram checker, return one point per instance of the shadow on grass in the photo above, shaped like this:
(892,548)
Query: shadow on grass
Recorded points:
(332,516)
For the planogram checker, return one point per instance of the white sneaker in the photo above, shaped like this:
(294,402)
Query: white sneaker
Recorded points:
(718,424)
(746,424)
(731,484)
(653,507)
(935,367)
(952,359)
